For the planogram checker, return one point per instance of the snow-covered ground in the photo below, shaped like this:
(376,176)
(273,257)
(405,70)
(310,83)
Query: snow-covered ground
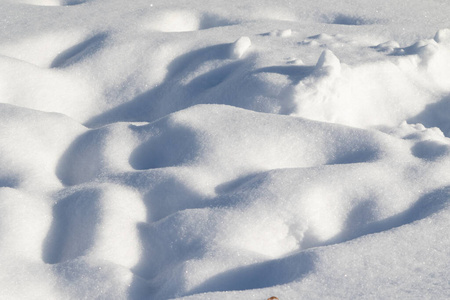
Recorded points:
(210,149)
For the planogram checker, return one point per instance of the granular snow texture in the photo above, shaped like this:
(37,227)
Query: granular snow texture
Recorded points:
(224,149)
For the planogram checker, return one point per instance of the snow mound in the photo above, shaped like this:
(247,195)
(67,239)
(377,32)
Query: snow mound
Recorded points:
(224,150)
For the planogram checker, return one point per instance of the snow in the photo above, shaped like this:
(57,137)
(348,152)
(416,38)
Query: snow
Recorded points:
(239,47)
(224,149)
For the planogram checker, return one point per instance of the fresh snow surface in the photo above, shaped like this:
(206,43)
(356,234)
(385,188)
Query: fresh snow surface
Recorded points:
(224,149)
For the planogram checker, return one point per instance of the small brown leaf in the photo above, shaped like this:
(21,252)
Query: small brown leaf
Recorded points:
(273,298)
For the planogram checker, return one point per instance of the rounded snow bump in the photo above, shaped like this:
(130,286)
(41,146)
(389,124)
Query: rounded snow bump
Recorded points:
(443,36)
(328,63)
(239,47)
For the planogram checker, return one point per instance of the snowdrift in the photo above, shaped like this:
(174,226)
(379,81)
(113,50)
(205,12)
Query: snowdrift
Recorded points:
(220,150)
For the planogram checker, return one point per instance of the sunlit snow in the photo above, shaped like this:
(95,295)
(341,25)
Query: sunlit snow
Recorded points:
(224,149)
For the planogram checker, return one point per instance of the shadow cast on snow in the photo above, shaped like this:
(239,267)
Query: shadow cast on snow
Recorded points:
(260,275)
(357,225)
(298,265)
(175,93)
(73,227)
(172,95)
(435,115)
(79,52)
(81,162)
(294,73)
